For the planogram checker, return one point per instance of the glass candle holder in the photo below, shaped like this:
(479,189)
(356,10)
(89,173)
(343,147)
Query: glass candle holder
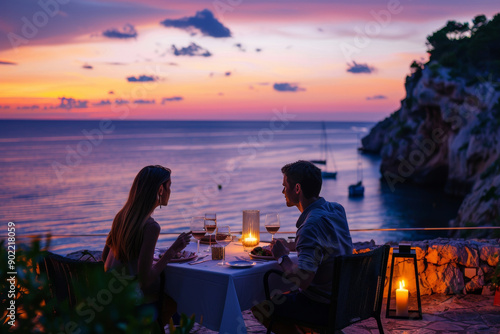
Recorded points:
(251,228)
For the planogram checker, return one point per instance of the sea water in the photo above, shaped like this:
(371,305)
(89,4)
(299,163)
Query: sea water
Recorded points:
(72,177)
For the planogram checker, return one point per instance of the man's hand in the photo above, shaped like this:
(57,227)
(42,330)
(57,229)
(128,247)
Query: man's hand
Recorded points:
(279,248)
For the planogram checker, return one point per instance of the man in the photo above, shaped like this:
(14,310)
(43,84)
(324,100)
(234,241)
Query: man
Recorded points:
(322,234)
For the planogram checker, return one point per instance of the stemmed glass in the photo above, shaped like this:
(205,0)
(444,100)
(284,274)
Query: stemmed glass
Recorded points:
(198,230)
(223,237)
(272,223)
(210,226)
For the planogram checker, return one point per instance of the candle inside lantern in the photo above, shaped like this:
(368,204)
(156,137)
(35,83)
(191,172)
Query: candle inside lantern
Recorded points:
(401,300)
(250,235)
(249,241)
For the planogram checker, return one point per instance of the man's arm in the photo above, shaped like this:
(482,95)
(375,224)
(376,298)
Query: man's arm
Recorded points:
(301,278)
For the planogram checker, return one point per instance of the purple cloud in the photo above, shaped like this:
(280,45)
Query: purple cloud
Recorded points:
(204,21)
(70,103)
(360,68)
(144,101)
(376,97)
(127,32)
(102,103)
(142,78)
(191,50)
(287,87)
(171,99)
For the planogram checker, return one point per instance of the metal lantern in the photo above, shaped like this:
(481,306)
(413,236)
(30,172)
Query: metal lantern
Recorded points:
(251,228)
(402,295)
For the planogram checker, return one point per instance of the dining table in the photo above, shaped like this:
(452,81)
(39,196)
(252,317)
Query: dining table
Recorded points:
(217,294)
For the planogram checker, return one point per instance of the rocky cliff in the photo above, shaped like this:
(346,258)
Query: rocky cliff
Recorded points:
(446,133)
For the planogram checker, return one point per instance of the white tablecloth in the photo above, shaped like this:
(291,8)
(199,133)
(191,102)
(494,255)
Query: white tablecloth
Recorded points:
(218,294)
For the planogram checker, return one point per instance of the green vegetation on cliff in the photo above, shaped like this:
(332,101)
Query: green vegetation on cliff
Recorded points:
(468,48)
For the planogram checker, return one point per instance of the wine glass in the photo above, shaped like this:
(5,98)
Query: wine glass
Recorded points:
(210,226)
(198,230)
(223,237)
(272,223)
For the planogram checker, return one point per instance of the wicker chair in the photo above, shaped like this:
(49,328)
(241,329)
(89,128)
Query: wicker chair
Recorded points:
(357,291)
(64,273)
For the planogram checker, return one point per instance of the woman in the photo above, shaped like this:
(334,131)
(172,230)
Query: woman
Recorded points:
(134,233)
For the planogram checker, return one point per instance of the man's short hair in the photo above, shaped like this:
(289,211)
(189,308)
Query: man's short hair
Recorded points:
(306,174)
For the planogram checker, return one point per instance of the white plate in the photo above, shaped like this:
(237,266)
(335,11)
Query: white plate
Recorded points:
(241,264)
(182,259)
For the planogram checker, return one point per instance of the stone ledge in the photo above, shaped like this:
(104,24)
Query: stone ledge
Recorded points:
(441,265)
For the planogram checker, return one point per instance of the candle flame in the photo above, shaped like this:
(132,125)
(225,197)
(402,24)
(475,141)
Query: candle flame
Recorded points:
(402,284)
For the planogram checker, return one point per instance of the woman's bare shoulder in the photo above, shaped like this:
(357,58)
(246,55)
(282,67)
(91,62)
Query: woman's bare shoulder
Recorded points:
(152,225)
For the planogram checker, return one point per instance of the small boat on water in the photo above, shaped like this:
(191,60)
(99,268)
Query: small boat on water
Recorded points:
(357,189)
(325,157)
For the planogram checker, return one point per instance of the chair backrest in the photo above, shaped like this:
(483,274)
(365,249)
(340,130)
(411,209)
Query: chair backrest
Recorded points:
(64,273)
(358,287)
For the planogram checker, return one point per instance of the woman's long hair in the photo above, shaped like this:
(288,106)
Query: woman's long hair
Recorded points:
(127,231)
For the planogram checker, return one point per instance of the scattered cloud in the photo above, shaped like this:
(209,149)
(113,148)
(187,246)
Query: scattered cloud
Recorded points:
(227,74)
(204,21)
(102,103)
(171,99)
(142,78)
(116,63)
(360,68)
(376,97)
(88,67)
(111,92)
(127,32)
(240,47)
(191,50)
(70,103)
(258,50)
(34,106)
(5,62)
(121,101)
(287,87)
(144,101)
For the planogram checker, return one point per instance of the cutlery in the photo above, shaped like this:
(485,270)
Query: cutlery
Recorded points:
(241,258)
(199,258)
(198,262)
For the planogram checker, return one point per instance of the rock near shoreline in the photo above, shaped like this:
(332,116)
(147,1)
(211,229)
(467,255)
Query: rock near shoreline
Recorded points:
(445,134)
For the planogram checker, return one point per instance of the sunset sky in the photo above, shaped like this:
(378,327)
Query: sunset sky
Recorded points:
(217,59)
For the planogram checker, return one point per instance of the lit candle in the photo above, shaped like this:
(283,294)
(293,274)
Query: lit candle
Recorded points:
(250,241)
(401,300)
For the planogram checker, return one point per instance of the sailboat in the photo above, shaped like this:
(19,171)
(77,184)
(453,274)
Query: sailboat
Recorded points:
(326,155)
(358,190)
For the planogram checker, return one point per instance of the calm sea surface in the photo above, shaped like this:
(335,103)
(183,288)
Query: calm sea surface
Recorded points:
(71,177)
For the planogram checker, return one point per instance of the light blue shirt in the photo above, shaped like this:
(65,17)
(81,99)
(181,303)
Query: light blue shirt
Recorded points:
(322,234)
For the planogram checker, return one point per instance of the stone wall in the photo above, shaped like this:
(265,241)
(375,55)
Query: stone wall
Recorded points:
(449,266)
